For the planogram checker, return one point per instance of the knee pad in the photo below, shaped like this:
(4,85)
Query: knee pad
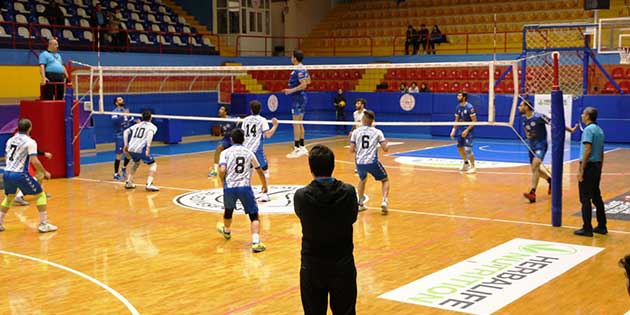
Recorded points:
(7,201)
(253,216)
(41,199)
(227,214)
(468,150)
(153,167)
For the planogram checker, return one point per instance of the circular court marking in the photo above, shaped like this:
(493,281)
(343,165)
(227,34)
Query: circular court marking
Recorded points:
(451,163)
(113,292)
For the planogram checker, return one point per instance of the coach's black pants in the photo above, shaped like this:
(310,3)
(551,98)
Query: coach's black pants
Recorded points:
(318,279)
(589,190)
(341,116)
(54,89)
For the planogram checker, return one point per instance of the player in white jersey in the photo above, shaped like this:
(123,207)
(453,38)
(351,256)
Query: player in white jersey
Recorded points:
(255,126)
(20,151)
(138,140)
(358,114)
(235,170)
(364,141)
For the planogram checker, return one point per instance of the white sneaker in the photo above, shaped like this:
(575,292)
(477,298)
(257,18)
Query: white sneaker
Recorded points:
(295,153)
(46,227)
(362,207)
(471,170)
(384,207)
(129,185)
(264,198)
(304,150)
(464,167)
(152,188)
(19,201)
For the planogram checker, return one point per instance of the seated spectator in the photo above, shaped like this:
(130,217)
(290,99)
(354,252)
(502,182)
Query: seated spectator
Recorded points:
(414,88)
(436,37)
(410,39)
(98,19)
(54,14)
(403,87)
(424,88)
(423,37)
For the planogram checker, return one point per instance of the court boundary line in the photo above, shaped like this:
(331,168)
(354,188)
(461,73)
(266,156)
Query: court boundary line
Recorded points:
(113,292)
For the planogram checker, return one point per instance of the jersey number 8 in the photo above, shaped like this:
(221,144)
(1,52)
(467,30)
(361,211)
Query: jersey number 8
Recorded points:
(240,165)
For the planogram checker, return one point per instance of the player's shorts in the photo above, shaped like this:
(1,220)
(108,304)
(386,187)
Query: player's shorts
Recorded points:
(120,144)
(262,159)
(298,104)
(465,142)
(226,143)
(141,156)
(244,194)
(539,148)
(376,169)
(25,182)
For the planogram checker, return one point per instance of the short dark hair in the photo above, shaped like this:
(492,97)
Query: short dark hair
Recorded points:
(321,160)
(237,135)
(592,113)
(146,115)
(298,55)
(255,106)
(528,104)
(24,125)
(116,99)
(369,114)
(361,100)
(464,94)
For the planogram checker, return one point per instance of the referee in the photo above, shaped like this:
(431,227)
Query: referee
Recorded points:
(590,173)
(52,72)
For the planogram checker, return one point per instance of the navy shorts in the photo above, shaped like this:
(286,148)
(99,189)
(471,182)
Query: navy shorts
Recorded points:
(465,142)
(376,169)
(539,148)
(244,194)
(120,144)
(298,104)
(25,182)
(141,156)
(226,143)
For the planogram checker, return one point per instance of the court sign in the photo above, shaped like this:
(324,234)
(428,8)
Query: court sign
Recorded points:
(617,208)
(487,282)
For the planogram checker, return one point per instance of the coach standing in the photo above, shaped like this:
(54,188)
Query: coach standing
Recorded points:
(590,173)
(327,208)
(52,72)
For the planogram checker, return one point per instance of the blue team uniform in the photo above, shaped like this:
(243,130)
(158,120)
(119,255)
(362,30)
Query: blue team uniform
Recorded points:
(121,123)
(226,130)
(465,113)
(536,133)
(299,98)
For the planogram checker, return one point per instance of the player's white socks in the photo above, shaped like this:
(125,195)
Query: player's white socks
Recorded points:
(43,216)
(149,180)
(1,217)
(19,194)
(216,166)
(266,172)
(255,238)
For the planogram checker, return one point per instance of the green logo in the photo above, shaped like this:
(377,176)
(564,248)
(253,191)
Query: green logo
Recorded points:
(548,248)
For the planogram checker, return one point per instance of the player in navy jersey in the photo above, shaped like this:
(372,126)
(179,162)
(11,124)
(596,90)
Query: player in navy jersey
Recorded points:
(535,126)
(465,112)
(226,129)
(235,170)
(364,142)
(298,82)
(21,151)
(120,122)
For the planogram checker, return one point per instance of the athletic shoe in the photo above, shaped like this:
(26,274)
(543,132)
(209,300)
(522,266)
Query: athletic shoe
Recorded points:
(46,227)
(129,185)
(152,188)
(362,207)
(471,170)
(1,228)
(531,196)
(264,198)
(258,247)
(583,232)
(19,201)
(124,173)
(304,151)
(213,173)
(384,207)
(221,230)
(118,177)
(600,230)
(464,167)
(356,171)
(48,196)
(295,153)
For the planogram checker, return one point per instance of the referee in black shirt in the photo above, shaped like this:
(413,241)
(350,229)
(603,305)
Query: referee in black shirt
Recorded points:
(327,208)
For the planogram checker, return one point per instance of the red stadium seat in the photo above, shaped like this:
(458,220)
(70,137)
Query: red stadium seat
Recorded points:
(628,73)
(609,88)
(475,87)
(455,87)
(617,73)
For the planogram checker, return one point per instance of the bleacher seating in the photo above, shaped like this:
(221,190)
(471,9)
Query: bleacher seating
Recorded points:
(150,26)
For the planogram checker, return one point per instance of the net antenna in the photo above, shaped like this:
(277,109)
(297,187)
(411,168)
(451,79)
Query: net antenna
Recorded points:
(624,55)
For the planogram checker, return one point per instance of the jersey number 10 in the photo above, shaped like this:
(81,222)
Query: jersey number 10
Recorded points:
(139,133)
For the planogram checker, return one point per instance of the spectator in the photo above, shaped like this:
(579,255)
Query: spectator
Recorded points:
(54,14)
(423,36)
(53,73)
(98,19)
(403,87)
(116,31)
(410,39)
(424,88)
(414,88)
(340,114)
(327,209)
(436,37)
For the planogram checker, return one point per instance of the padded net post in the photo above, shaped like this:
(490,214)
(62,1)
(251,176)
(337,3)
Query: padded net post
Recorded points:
(557,143)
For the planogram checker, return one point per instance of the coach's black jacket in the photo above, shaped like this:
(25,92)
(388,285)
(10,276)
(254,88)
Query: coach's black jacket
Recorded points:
(327,209)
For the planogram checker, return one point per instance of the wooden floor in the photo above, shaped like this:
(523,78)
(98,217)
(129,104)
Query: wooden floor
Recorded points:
(166,259)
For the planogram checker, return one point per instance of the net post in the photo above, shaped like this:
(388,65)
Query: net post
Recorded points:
(491,93)
(101,104)
(557,145)
(68,126)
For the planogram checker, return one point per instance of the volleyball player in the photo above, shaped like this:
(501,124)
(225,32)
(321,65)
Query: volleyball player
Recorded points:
(364,142)
(298,81)
(226,129)
(235,171)
(359,104)
(21,150)
(255,126)
(138,139)
(465,112)
(121,122)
